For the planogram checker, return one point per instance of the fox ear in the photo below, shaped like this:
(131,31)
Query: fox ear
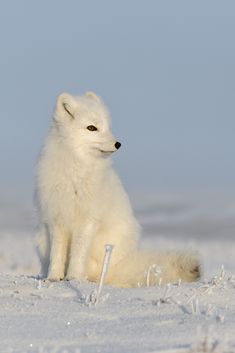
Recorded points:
(64,107)
(92,95)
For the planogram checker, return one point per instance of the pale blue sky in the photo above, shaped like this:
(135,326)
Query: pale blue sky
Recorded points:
(166,70)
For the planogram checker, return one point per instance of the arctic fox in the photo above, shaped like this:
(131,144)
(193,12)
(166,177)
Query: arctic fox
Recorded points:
(82,205)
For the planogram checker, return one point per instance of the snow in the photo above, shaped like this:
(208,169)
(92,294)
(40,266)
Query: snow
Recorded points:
(44,317)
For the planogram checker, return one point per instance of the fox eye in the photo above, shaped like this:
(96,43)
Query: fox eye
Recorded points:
(92,128)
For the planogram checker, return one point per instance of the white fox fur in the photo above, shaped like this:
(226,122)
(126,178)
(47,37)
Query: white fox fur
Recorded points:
(82,204)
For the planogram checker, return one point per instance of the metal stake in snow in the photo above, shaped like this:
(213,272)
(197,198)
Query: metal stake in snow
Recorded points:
(108,252)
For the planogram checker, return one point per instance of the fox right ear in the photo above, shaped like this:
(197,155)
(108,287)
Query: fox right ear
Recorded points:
(93,96)
(64,107)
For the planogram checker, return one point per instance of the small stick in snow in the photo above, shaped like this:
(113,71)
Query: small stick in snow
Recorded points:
(94,297)
(108,252)
(195,307)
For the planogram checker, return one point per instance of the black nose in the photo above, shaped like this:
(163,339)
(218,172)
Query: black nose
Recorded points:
(117,145)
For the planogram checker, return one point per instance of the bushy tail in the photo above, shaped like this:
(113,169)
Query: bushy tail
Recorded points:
(150,268)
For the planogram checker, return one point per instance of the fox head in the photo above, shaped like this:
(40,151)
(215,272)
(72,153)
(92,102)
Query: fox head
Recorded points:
(84,124)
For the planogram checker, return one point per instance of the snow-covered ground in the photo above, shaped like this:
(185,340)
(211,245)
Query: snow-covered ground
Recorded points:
(46,317)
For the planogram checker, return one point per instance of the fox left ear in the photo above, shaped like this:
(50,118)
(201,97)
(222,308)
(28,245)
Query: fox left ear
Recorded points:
(64,107)
(92,95)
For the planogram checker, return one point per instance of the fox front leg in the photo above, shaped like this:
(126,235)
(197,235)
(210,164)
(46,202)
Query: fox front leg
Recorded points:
(58,254)
(79,251)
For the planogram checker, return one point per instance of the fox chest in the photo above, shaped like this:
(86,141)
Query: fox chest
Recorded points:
(75,203)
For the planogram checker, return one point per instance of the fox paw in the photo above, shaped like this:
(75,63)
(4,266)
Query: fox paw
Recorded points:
(55,277)
(74,276)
